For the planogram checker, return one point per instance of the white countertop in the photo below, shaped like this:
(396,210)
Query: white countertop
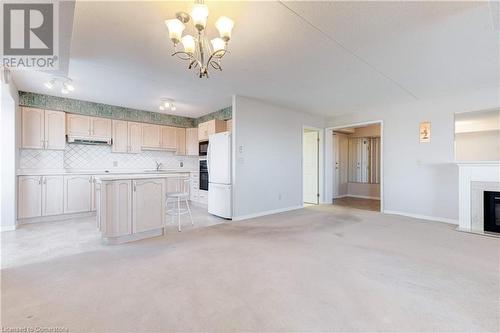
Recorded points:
(152,175)
(42,172)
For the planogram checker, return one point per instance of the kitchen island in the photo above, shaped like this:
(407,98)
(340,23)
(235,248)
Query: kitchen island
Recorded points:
(132,207)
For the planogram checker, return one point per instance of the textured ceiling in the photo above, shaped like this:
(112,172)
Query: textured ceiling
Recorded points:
(320,57)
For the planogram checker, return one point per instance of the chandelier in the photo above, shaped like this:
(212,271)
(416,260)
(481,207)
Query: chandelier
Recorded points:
(200,53)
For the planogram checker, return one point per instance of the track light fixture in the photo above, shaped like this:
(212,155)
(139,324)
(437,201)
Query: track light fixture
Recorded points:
(65,82)
(167,104)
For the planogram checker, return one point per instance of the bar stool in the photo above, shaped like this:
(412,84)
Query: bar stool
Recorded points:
(181,194)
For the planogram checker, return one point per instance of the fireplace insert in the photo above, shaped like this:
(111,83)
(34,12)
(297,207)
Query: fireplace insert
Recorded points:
(491,211)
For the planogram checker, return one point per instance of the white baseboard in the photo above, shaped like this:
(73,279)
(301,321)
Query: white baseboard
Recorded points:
(8,228)
(268,212)
(54,218)
(362,197)
(422,217)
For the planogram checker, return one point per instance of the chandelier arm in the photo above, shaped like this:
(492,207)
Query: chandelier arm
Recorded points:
(187,56)
(215,54)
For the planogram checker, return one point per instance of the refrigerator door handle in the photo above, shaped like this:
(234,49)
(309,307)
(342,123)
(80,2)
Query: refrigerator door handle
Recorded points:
(208,158)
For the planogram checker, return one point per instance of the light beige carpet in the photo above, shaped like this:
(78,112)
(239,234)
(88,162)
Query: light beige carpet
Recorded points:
(317,269)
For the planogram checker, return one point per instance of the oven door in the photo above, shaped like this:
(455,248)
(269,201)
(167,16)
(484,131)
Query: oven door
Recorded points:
(203,175)
(203,148)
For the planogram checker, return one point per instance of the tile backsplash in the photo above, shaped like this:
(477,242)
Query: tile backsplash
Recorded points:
(100,157)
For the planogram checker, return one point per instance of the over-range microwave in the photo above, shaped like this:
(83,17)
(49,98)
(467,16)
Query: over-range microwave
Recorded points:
(203,148)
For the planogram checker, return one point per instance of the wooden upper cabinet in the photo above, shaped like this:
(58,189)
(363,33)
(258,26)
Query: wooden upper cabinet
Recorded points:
(203,132)
(192,142)
(168,138)
(229,125)
(77,125)
(42,129)
(33,128)
(151,136)
(181,141)
(100,127)
(210,127)
(134,137)
(120,136)
(55,130)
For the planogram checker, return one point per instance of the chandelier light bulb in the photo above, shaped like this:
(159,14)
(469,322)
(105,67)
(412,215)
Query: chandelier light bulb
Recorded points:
(64,91)
(175,29)
(189,44)
(166,104)
(173,108)
(199,14)
(218,44)
(161,108)
(225,25)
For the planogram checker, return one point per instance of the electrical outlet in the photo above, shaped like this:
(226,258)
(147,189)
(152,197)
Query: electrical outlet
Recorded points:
(240,149)
(279,196)
(181,164)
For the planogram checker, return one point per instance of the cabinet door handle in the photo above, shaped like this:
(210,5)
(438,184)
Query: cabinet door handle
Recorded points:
(134,185)
(40,180)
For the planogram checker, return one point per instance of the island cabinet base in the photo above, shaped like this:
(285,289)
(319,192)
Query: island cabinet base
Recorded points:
(133,237)
(131,209)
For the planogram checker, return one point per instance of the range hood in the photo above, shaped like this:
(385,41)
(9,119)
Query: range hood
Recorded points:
(89,141)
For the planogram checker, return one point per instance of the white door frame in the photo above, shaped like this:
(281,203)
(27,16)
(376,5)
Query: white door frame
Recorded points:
(321,164)
(328,179)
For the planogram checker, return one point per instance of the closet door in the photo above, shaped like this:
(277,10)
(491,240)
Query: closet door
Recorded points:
(365,160)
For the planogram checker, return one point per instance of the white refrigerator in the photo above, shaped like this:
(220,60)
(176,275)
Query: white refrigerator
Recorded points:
(219,175)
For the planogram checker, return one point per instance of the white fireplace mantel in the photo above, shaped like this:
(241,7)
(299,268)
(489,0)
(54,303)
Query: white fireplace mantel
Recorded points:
(474,173)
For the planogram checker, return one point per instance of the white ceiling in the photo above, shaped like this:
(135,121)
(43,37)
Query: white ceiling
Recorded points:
(320,57)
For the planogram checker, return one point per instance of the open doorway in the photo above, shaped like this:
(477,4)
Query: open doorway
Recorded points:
(356,164)
(310,166)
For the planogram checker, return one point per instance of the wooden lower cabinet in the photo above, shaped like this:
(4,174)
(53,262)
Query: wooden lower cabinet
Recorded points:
(30,197)
(148,204)
(77,194)
(52,195)
(116,208)
(39,196)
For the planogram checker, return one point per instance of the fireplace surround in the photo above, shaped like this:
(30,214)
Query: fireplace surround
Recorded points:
(476,178)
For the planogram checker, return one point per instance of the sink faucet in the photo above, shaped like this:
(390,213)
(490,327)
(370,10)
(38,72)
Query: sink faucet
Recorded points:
(158,165)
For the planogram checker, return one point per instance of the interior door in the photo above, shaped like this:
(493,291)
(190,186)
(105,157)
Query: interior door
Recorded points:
(336,170)
(310,166)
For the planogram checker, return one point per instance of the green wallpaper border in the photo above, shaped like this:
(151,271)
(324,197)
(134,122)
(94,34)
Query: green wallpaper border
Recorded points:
(222,114)
(115,112)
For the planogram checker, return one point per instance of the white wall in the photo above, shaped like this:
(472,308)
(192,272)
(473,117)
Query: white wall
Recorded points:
(267,157)
(8,154)
(421,178)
